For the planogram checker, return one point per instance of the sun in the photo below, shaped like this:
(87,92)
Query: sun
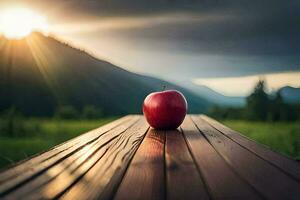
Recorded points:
(16,23)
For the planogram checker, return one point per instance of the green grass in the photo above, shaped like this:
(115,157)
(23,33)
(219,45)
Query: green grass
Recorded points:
(283,137)
(48,134)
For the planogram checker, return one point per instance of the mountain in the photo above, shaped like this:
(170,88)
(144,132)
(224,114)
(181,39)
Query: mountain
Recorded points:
(213,96)
(290,94)
(39,73)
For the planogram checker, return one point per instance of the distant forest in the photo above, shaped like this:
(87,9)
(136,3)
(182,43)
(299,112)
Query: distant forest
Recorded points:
(260,106)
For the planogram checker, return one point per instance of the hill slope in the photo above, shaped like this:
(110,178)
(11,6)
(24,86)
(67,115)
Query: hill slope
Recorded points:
(215,97)
(290,94)
(39,73)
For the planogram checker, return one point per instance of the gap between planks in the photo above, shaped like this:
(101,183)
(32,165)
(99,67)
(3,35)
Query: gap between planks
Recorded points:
(162,168)
(18,169)
(221,180)
(285,164)
(31,175)
(268,180)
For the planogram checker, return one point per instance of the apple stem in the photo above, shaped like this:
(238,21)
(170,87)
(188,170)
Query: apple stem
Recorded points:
(163,88)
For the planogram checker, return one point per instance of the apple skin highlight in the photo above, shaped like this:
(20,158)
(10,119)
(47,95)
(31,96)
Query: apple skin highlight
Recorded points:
(165,110)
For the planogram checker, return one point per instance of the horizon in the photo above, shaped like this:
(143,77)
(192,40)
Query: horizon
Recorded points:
(154,43)
(274,81)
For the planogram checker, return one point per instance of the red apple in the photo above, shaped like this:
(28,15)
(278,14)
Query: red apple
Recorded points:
(165,109)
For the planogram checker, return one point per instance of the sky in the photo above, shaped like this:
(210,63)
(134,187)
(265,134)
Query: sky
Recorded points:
(224,45)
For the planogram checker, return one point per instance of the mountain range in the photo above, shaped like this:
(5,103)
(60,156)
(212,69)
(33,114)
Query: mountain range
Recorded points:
(290,94)
(215,97)
(40,73)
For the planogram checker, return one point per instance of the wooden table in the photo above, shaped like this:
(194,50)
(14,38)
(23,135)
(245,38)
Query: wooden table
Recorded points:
(128,160)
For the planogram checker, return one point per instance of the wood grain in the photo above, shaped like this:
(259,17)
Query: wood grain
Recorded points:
(19,168)
(285,164)
(59,163)
(101,180)
(145,178)
(183,178)
(221,180)
(201,160)
(265,178)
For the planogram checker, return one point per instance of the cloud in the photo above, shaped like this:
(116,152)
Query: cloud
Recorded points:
(227,27)
(243,86)
(185,38)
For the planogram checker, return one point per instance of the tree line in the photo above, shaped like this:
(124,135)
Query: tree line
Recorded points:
(62,112)
(13,123)
(260,106)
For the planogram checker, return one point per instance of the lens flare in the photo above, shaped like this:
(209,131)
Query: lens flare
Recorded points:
(16,23)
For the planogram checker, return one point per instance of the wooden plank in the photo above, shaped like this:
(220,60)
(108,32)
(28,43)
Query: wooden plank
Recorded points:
(55,180)
(101,180)
(145,177)
(183,178)
(221,181)
(32,162)
(285,164)
(265,178)
(32,173)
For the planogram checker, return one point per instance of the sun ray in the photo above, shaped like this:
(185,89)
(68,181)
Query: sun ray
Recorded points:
(42,58)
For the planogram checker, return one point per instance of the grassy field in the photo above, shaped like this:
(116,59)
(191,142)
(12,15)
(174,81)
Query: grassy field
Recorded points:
(48,134)
(283,137)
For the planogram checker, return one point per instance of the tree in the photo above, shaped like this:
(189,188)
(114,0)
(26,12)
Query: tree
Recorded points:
(277,108)
(66,112)
(12,123)
(91,112)
(258,103)
(226,112)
